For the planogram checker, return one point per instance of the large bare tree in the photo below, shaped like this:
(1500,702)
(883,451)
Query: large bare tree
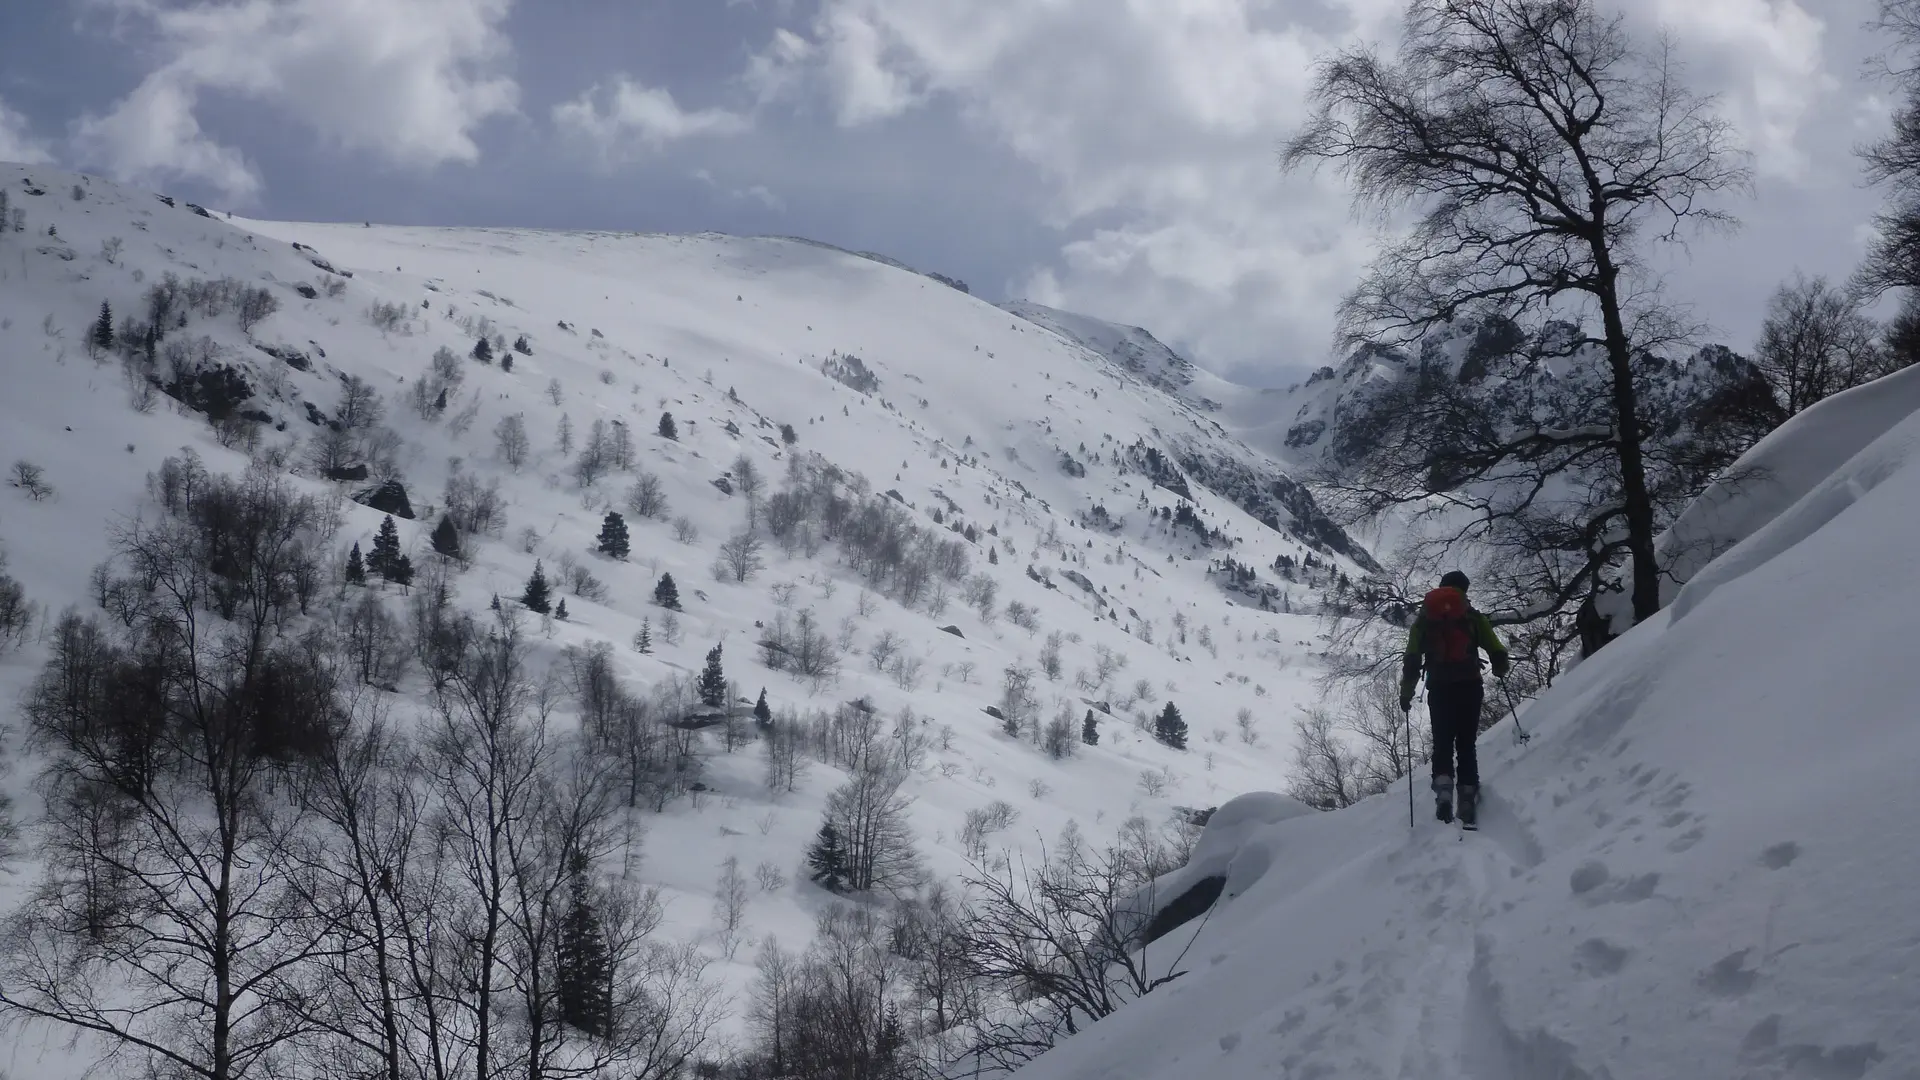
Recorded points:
(1893,160)
(1539,146)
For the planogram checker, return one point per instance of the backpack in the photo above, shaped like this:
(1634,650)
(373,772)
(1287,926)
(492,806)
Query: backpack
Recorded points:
(1446,637)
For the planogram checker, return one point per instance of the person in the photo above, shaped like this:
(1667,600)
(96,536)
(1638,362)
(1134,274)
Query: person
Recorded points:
(1446,640)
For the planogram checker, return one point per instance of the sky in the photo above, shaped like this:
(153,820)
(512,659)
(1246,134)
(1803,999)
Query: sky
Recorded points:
(1113,157)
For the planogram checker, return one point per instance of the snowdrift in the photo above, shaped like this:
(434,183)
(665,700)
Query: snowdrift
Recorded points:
(1701,866)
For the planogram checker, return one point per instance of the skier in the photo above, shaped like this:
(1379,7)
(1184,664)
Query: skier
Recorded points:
(1446,639)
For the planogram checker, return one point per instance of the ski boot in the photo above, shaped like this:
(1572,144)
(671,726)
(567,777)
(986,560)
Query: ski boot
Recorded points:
(1443,798)
(1470,806)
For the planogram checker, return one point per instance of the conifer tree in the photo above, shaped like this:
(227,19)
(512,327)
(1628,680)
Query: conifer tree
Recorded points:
(1090,730)
(386,549)
(826,860)
(668,429)
(356,566)
(446,538)
(494,604)
(1170,728)
(762,715)
(993,556)
(101,336)
(613,535)
(713,681)
(643,640)
(583,963)
(482,351)
(667,594)
(506,361)
(537,597)
(400,571)
(560,610)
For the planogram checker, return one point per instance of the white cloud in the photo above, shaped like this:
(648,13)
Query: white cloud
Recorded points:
(1153,125)
(636,116)
(406,80)
(17,142)
(1769,56)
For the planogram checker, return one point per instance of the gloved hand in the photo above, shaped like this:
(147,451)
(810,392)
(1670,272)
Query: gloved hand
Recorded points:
(1406,703)
(1500,670)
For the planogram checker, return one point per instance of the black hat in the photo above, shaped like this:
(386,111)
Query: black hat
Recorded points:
(1453,579)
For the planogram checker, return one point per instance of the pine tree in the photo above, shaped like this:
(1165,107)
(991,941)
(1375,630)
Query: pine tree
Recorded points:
(826,861)
(494,604)
(713,681)
(386,549)
(101,336)
(520,346)
(762,715)
(667,594)
(536,598)
(583,963)
(613,535)
(643,640)
(993,556)
(356,567)
(400,571)
(482,351)
(506,361)
(1090,730)
(669,430)
(1169,728)
(446,538)
(560,610)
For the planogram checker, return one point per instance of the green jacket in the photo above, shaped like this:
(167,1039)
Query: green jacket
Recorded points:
(1415,656)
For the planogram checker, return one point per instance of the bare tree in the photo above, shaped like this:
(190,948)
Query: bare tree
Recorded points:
(751,484)
(740,555)
(1814,343)
(510,440)
(1059,944)
(1893,162)
(168,922)
(870,814)
(1540,146)
(647,498)
(730,905)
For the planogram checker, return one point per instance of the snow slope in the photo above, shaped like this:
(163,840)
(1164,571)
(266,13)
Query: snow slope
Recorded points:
(1702,865)
(972,415)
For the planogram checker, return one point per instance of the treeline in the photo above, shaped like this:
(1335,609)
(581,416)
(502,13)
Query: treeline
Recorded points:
(253,864)
(251,870)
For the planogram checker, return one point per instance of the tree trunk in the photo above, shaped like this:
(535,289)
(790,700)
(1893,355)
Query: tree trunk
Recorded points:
(1626,417)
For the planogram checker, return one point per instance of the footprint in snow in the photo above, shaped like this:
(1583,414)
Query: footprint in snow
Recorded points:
(1729,977)
(1780,856)
(1594,884)
(1598,957)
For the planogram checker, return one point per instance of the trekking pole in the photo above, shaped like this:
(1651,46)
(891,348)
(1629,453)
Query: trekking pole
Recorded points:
(1520,736)
(1410,768)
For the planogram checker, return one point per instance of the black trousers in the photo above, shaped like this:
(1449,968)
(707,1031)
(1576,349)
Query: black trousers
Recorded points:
(1455,708)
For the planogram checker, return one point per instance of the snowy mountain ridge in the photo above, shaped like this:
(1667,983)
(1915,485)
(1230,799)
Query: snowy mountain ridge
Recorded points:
(980,437)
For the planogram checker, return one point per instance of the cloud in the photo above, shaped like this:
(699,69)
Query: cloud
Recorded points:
(636,116)
(17,142)
(408,81)
(1770,57)
(1153,125)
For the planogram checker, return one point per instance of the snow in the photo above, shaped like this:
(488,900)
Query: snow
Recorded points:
(1701,865)
(974,405)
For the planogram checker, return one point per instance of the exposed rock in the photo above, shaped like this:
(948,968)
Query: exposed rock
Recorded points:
(388,498)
